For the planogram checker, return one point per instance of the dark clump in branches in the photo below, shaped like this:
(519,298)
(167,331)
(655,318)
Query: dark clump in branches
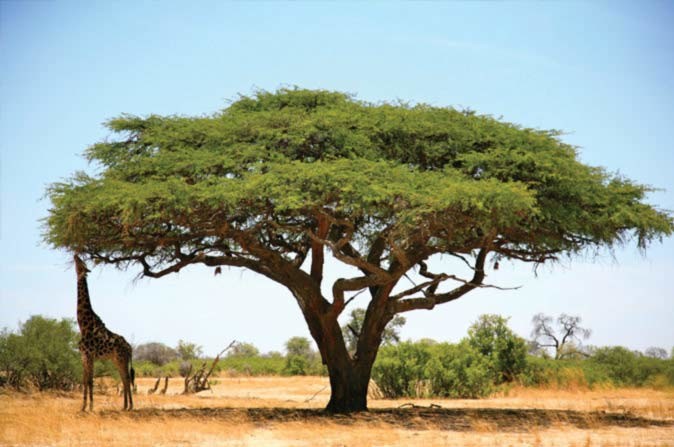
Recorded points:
(278,179)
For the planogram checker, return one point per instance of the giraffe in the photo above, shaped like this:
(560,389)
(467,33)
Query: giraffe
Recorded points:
(99,342)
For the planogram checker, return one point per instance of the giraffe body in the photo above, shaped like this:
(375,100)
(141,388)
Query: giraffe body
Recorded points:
(98,342)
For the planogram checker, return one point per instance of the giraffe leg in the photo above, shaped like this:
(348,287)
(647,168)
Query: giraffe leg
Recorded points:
(129,387)
(123,368)
(87,379)
(91,387)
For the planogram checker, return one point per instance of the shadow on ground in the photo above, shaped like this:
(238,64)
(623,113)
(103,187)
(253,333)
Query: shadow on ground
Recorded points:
(453,419)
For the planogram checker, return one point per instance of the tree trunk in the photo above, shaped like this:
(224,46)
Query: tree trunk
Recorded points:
(349,377)
(348,389)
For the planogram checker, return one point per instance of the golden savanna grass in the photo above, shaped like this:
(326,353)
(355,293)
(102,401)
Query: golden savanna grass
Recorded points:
(283,412)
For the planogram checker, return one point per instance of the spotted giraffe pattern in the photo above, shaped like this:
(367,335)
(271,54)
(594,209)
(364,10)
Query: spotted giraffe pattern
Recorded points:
(97,342)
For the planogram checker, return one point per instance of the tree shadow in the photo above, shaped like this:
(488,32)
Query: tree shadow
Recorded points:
(417,418)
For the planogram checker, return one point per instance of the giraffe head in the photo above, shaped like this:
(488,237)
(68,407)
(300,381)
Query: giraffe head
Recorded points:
(80,267)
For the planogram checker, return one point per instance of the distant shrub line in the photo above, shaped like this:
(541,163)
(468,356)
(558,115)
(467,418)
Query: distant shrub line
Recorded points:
(42,355)
(423,369)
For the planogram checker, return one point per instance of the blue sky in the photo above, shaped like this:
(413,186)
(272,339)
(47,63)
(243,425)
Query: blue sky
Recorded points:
(603,72)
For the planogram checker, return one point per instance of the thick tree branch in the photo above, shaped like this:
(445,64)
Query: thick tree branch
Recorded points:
(432,300)
(339,252)
(343,285)
(428,285)
(373,257)
(317,257)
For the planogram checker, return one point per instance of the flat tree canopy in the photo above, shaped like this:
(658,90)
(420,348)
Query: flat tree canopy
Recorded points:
(272,180)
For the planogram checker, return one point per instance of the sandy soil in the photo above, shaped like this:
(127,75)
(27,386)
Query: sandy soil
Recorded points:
(283,412)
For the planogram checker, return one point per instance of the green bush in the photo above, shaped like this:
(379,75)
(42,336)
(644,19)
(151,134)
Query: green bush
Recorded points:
(296,365)
(440,369)
(253,366)
(506,352)
(629,368)
(105,368)
(669,370)
(563,374)
(43,354)
(188,351)
(243,349)
(619,362)
(257,365)
(400,368)
(459,371)
(538,372)
(301,359)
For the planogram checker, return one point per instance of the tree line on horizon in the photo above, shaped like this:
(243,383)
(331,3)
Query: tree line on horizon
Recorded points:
(42,354)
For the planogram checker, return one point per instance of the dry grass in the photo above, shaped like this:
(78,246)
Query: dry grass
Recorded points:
(273,411)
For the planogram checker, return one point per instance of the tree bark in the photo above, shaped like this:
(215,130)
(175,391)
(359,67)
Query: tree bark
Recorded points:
(349,377)
(348,388)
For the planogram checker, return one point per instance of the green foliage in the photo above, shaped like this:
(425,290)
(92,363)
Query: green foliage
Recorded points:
(301,359)
(245,359)
(619,363)
(253,366)
(424,369)
(669,371)
(506,352)
(608,366)
(299,346)
(562,374)
(433,369)
(491,355)
(146,368)
(399,368)
(105,368)
(627,368)
(188,351)
(296,365)
(43,353)
(352,328)
(243,350)
(280,156)
(459,371)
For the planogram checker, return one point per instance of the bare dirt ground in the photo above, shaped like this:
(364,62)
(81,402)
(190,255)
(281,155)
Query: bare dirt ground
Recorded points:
(283,412)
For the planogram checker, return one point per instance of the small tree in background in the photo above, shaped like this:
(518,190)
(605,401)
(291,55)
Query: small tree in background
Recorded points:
(656,353)
(188,351)
(459,371)
(491,337)
(566,339)
(157,353)
(243,349)
(299,346)
(354,326)
(301,359)
(43,353)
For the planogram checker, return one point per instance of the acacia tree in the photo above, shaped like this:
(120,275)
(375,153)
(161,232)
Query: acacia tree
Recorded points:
(278,179)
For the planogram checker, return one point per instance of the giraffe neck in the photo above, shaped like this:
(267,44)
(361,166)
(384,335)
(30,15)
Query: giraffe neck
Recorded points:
(84,310)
